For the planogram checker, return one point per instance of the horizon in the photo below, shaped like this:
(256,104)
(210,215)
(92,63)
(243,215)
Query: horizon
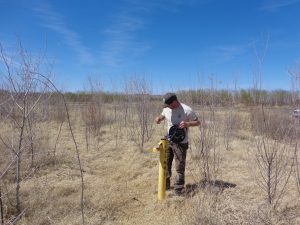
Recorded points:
(180,91)
(173,45)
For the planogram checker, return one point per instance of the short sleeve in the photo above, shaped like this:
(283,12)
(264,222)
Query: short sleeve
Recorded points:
(191,114)
(163,113)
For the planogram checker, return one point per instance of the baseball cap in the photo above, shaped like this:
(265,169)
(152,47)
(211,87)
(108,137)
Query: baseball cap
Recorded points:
(169,98)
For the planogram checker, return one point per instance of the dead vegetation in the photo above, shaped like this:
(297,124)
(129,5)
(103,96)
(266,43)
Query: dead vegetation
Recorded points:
(120,182)
(239,166)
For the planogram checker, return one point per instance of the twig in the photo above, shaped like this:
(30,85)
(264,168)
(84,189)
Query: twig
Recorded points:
(7,167)
(56,141)
(1,208)
(18,217)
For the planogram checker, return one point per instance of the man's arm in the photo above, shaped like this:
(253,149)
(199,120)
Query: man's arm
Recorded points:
(159,119)
(186,124)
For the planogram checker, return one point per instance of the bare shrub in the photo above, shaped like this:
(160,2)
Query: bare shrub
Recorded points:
(119,114)
(232,123)
(94,116)
(143,110)
(206,151)
(271,165)
(93,113)
(206,140)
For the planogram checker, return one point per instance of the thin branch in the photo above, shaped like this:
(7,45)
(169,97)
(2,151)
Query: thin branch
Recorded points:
(73,137)
(7,167)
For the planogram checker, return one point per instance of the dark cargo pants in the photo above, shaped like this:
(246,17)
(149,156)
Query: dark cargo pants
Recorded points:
(177,151)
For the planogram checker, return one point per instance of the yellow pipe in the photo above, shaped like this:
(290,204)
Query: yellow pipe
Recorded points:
(163,146)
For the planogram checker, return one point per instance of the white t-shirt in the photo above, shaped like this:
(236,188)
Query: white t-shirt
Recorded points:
(175,116)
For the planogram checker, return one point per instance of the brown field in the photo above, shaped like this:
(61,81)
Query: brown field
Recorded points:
(120,179)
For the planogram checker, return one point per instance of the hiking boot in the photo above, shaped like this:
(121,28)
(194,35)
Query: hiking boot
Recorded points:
(168,184)
(179,192)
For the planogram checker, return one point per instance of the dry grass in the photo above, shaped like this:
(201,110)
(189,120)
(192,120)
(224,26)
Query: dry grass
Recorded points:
(121,182)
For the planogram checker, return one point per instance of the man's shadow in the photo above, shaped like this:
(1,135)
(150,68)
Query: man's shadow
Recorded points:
(215,186)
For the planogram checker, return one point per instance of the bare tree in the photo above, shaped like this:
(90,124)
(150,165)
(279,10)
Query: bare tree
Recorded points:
(272,168)
(94,112)
(231,122)
(295,80)
(143,111)
(205,144)
(206,140)
(258,72)
(26,86)
(22,86)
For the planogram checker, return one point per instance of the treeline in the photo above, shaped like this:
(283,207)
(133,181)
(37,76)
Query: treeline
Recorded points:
(202,97)
(244,96)
(107,97)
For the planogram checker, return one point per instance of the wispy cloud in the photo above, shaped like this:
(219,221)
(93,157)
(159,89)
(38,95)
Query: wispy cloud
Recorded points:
(56,22)
(228,52)
(275,5)
(122,34)
(121,39)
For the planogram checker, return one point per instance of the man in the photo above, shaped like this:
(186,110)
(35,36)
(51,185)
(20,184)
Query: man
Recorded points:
(177,113)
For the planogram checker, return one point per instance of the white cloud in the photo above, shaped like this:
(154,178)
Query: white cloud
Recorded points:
(56,22)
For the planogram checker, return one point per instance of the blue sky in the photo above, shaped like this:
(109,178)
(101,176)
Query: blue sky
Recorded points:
(173,44)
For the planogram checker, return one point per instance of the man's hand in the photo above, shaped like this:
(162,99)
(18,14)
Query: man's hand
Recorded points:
(159,119)
(184,124)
